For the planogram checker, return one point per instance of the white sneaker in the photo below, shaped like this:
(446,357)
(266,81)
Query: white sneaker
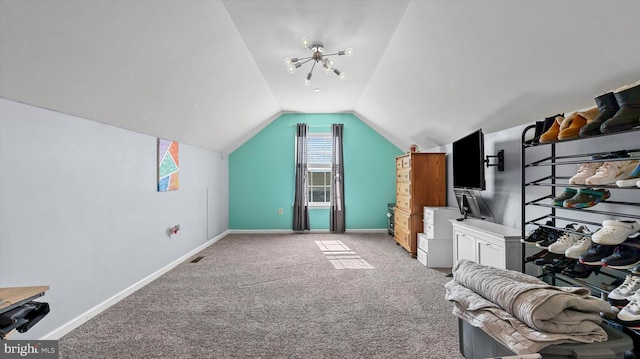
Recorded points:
(566,241)
(624,292)
(630,314)
(632,180)
(612,171)
(578,248)
(585,171)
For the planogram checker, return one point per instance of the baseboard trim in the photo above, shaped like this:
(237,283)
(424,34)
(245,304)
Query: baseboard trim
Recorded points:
(276,231)
(84,317)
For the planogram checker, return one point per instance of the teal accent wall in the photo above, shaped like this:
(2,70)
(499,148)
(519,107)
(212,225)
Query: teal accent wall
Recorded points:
(262,175)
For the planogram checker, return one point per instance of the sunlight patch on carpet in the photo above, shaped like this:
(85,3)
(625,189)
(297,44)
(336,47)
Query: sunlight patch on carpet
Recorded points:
(341,256)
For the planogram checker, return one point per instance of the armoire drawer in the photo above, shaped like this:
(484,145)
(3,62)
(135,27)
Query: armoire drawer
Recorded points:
(403,189)
(403,175)
(403,162)
(402,236)
(403,202)
(402,220)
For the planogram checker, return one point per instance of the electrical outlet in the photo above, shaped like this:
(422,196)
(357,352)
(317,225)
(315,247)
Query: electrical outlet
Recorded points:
(280,211)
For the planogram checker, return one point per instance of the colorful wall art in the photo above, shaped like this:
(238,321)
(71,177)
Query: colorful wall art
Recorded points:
(168,165)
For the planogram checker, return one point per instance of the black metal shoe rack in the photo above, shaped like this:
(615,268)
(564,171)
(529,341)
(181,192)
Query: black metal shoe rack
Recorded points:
(543,178)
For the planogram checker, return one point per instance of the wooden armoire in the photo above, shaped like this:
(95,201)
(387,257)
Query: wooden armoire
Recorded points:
(421,180)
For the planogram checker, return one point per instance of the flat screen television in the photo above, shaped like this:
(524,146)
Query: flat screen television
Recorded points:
(468,162)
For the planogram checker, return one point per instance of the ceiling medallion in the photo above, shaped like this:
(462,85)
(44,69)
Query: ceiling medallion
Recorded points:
(317,57)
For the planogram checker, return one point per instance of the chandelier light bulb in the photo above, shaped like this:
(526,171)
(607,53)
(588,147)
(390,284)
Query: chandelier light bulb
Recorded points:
(341,75)
(305,42)
(291,68)
(348,52)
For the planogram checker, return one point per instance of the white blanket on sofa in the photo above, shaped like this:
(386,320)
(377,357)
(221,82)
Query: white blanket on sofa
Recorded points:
(522,312)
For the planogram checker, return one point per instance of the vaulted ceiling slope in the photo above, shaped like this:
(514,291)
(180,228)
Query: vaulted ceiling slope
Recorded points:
(211,74)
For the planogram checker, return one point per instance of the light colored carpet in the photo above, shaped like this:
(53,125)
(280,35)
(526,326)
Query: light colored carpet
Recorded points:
(281,296)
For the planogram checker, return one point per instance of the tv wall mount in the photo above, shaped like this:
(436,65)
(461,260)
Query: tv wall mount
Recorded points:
(500,164)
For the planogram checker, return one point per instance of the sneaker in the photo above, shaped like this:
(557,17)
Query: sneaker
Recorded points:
(597,251)
(579,270)
(610,172)
(568,193)
(621,295)
(552,236)
(630,314)
(535,256)
(559,265)
(566,241)
(623,257)
(587,197)
(615,231)
(632,180)
(585,171)
(539,235)
(579,247)
(548,259)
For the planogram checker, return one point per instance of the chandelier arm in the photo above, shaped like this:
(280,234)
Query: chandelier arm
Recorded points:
(325,55)
(304,62)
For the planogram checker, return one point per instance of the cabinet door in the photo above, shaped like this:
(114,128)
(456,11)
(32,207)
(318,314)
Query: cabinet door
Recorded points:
(463,247)
(490,254)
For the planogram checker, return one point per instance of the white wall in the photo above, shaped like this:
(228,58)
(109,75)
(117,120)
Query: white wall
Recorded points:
(500,202)
(79,210)
(503,195)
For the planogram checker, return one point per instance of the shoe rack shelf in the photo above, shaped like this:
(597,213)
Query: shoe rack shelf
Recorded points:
(541,179)
(536,199)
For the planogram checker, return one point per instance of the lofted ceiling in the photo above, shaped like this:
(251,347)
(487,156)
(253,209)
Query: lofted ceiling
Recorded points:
(210,73)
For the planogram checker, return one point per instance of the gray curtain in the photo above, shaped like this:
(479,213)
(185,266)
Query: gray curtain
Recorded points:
(336,209)
(300,202)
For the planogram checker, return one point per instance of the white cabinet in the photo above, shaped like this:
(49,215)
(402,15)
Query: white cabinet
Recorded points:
(487,243)
(435,245)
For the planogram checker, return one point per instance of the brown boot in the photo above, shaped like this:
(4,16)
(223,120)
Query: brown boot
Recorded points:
(570,127)
(552,134)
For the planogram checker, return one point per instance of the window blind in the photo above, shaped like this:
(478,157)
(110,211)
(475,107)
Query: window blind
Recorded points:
(319,151)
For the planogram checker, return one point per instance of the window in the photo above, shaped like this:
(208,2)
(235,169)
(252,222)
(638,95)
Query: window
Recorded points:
(319,167)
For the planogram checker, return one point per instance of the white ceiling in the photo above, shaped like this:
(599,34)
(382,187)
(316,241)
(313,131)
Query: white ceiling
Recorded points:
(211,74)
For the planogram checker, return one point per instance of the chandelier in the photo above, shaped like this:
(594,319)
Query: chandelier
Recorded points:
(317,58)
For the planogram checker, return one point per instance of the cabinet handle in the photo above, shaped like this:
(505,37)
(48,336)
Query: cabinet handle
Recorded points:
(492,246)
